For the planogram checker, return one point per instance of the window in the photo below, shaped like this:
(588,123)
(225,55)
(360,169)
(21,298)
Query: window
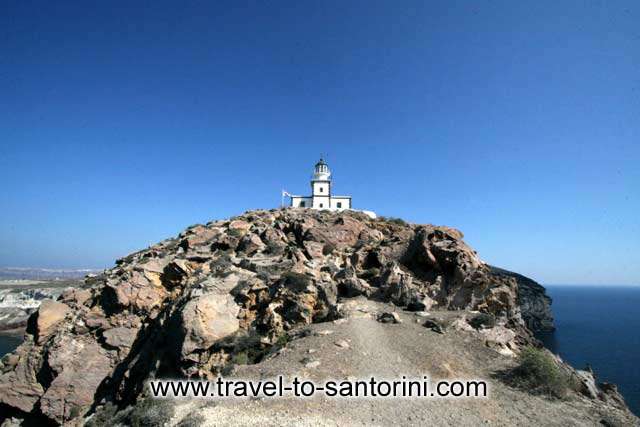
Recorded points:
(302,205)
(339,205)
(321,205)
(321,189)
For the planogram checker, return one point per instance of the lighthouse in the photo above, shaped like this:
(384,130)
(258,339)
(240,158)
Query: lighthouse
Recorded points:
(321,195)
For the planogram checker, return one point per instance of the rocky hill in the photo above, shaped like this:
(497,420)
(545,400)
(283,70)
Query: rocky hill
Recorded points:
(188,306)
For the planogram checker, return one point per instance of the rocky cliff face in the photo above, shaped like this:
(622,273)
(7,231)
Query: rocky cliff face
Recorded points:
(535,304)
(183,307)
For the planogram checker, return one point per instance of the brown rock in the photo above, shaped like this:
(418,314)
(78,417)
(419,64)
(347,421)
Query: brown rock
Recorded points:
(199,237)
(96,319)
(206,320)
(175,273)
(389,317)
(340,232)
(239,225)
(250,244)
(19,387)
(76,296)
(49,315)
(81,366)
(397,285)
(121,337)
(314,249)
(153,270)
(349,285)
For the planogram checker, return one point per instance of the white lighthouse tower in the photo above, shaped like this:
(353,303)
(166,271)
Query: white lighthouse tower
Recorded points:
(321,196)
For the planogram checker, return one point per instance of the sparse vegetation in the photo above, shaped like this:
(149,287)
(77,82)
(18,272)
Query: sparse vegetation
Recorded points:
(147,412)
(539,373)
(150,413)
(193,419)
(282,341)
(248,350)
(393,220)
(236,232)
(104,416)
(241,358)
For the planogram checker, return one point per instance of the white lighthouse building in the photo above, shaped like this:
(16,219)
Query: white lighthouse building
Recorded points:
(321,196)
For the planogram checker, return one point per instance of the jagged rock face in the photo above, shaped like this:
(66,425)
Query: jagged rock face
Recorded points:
(535,304)
(183,306)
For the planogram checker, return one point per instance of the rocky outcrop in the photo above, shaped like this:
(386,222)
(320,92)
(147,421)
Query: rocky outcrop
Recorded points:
(535,304)
(48,316)
(185,306)
(18,301)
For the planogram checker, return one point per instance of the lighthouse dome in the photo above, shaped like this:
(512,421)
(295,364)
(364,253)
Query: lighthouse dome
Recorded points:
(321,171)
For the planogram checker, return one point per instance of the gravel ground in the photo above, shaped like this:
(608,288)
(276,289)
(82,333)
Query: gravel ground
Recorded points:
(389,351)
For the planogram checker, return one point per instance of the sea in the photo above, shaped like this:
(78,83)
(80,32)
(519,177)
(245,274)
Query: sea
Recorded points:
(595,325)
(8,343)
(599,326)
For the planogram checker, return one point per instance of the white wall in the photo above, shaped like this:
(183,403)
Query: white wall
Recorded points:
(321,202)
(297,201)
(320,188)
(345,203)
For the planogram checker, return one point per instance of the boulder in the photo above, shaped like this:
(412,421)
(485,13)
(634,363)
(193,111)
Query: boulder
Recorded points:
(199,237)
(340,231)
(423,304)
(397,285)
(239,225)
(369,235)
(250,244)
(19,386)
(435,325)
(50,313)
(482,320)
(120,337)
(500,338)
(389,317)
(78,297)
(314,249)
(153,270)
(96,319)
(80,367)
(349,285)
(587,384)
(207,319)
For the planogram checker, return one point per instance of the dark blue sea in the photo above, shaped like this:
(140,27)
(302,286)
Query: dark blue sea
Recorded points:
(595,325)
(600,325)
(8,343)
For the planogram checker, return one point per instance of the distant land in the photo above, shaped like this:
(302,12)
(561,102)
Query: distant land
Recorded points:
(28,273)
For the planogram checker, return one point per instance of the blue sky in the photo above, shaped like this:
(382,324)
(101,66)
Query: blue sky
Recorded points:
(516,122)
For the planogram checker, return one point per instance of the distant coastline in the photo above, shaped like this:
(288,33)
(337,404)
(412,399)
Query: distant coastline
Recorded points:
(32,273)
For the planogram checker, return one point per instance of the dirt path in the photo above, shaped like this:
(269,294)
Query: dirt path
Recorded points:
(389,351)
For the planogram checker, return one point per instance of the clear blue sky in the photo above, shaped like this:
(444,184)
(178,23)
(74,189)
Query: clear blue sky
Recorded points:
(516,122)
